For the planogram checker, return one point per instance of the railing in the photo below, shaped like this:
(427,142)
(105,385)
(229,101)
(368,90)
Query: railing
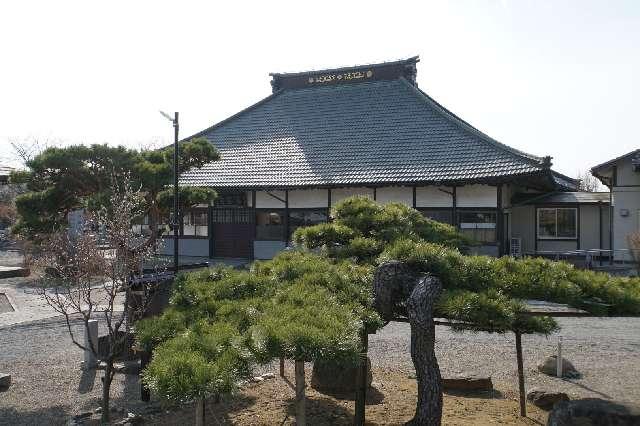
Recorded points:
(598,259)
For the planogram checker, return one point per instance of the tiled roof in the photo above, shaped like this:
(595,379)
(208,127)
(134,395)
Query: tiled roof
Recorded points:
(565,198)
(371,132)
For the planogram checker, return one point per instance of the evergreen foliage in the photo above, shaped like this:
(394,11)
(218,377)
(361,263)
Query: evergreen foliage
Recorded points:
(60,180)
(299,305)
(312,304)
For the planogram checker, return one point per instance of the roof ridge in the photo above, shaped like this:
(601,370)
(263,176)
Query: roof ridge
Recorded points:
(532,159)
(413,59)
(608,163)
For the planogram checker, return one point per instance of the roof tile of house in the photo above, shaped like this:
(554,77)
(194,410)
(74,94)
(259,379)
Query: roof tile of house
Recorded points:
(369,132)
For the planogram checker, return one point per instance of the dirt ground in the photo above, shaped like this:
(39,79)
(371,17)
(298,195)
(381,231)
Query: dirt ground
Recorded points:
(391,401)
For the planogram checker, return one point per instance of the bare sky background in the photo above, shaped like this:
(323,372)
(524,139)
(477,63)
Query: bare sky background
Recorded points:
(555,78)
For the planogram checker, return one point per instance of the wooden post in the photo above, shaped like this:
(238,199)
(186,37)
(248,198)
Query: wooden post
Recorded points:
(361,385)
(91,345)
(281,366)
(523,408)
(200,412)
(301,415)
(145,394)
(559,360)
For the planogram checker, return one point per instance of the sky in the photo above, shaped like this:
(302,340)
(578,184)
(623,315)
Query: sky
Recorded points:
(554,78)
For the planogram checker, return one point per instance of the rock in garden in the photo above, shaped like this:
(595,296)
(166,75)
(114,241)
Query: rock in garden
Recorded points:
(467,383)
(594,411)
(128,367)
(550,364)
(337,377)
(5,381)
(545,399)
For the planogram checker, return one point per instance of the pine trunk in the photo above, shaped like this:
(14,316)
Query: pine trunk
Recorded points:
(200,412)
(106,389)
(301,415)
(420,312)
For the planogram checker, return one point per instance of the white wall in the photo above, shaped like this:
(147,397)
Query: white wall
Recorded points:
(264,200)
(626,175)
(308,198)
(623,226)
(395,194)
(477,196)
(340,194)
(431,196)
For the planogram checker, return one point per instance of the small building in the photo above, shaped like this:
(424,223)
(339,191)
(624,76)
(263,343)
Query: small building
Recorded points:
(622,176)
(322,136)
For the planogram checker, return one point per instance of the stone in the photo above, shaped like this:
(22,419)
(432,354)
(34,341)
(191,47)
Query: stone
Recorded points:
(121,339)
(594,412)
(549,366)
(546,399)
(127,367)
(334,377)
(83,416)
(257,379)
(268,376)
(467,383)
(5,381)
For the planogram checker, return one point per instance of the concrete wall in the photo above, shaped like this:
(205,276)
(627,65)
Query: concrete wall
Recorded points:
(590,227)
(267,249)
(523,219)
(626,175)
(625,200)
(188,247)
(557,245)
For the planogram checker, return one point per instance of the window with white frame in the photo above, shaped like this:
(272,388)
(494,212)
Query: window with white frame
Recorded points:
(557,223)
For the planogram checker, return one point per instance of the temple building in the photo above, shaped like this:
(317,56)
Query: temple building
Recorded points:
(322,136)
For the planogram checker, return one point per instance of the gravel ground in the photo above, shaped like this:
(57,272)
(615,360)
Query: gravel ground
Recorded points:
(48,386)
(606,351)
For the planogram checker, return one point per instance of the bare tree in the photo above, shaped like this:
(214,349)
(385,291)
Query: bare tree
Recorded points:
(89,277)
(588,182)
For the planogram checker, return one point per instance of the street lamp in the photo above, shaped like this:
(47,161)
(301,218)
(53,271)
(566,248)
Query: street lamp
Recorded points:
(176,214)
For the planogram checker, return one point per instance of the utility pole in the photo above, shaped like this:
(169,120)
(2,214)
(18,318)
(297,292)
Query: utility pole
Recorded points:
(176,204)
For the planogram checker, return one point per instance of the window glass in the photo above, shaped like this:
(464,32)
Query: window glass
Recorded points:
(566,223)
(557,223)
(444,216)
(298,218)
(478,225)
(547,223)
(194,223)
(270,225)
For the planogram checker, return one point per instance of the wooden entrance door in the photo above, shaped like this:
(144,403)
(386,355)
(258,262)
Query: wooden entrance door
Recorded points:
(233,231)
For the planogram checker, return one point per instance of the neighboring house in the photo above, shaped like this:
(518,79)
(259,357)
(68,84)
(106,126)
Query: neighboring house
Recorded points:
(5,172)
(622,176)
(322,136)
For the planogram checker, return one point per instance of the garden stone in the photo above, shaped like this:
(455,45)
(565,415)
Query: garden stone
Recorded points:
(467,383)
(594,412)
(544,399)
(337,377)
(5,381)
(127,367)
(550,364)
